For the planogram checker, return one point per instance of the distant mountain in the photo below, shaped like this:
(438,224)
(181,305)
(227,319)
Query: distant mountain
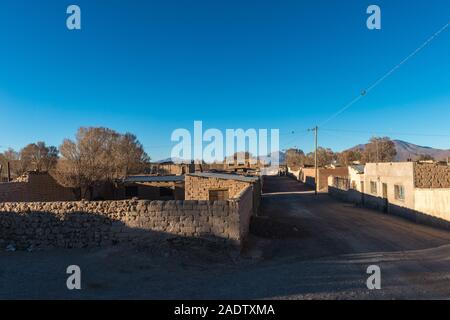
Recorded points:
(281,157)
(174,160)
(406,150)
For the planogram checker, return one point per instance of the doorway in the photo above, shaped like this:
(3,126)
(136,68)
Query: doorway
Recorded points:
(385,198)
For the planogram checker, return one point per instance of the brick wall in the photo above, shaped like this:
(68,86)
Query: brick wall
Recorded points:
(34,187)
(431,175)
(198,187)
(307,175)
(151,190)
(245,210)
(80,224)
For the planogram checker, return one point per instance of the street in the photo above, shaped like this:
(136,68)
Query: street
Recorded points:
(301,246)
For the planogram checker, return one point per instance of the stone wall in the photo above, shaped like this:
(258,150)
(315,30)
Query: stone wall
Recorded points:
(34,186)
(431,175)
(81,224)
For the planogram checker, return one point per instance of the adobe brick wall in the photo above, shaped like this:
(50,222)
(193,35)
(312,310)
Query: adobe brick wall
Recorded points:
(81,224)
(150,190)
(244,208)
(197,188)
(307,175)
(431,175)
(34,187)
(325,173)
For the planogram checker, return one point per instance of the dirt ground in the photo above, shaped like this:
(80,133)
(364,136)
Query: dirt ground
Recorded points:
(301,247)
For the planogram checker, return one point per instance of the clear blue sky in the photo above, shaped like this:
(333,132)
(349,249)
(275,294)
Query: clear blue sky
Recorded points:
(150,67)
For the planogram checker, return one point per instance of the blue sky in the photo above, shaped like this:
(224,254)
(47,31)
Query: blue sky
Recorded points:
(149,67)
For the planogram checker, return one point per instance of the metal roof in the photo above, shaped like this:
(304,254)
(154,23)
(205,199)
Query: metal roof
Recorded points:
(224,176)
(153,179)
(358,168)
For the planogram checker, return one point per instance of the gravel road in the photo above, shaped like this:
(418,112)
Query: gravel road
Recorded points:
(301,247)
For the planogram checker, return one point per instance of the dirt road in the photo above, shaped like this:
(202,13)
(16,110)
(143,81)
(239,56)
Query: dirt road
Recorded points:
(302,247)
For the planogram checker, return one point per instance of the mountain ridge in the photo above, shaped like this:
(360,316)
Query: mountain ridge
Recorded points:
(407,150)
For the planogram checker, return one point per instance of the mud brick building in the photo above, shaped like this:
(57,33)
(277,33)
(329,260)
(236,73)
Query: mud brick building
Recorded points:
(419,191)
(151,188)
(307,176)
(34,186)
(221,186)
(40,215)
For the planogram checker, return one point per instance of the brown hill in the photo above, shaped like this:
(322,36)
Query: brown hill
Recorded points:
(406,150)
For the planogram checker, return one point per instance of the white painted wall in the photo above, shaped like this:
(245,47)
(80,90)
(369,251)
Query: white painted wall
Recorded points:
(435,202)
(391,173)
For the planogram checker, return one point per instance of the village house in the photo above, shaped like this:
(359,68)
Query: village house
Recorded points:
(214,206)
(34,186)
(151,188)
(420,191)
(221,186)
(307,175)
(167,168)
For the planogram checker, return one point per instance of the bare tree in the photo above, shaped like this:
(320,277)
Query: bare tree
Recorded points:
(37,156)
(18,167)
(98,155)
(426,157)
(347,157)
(130,155)
(295,158)
(324,157)
(379,149)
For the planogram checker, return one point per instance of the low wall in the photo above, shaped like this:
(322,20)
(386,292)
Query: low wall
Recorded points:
(101,223)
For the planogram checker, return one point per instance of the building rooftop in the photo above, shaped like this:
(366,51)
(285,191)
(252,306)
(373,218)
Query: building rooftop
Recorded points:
(358,168)
(153,179)
(225,176)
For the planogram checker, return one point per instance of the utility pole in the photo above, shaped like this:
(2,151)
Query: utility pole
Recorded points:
(376,144)
(316,182)
(8,168)
(315,160)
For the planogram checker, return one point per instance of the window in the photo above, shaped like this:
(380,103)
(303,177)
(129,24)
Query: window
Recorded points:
(215,195)
(399,192)
(353,184)
(373,187)
(131,191)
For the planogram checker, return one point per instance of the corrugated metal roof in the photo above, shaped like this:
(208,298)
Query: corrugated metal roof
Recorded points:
(358,168)
(224,176)
(154,179)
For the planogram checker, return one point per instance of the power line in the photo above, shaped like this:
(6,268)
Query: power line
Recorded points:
(389,133)
(305,133)
(387,74)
